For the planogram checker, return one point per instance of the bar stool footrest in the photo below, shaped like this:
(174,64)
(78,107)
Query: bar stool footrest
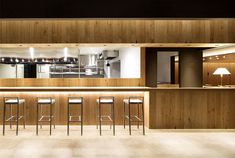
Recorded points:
(109,119)
(134,118)
(42,117)
(78,119)
(14,118)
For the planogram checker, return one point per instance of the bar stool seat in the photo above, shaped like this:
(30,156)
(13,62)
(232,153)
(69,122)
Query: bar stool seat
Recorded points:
(46,101)
(78,118)
(133,101)
(75,101)
(105,100)
(14,101)
(9,101)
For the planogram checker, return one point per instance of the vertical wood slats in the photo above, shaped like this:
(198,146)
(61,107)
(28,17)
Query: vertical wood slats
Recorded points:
(117,31)
(192,109)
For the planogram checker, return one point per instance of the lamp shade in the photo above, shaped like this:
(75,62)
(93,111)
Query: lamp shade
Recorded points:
(221,71)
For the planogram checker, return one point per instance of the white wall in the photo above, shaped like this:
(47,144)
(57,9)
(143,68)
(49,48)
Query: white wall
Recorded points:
(43,70)
(164,66)
(130,62)
(9,71)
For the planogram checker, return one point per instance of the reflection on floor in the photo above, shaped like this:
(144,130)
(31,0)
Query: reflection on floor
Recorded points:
(156,143)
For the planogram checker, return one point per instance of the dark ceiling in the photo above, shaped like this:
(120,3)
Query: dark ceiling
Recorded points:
(116,9)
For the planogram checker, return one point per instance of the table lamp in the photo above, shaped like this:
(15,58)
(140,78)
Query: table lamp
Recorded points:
(221,71)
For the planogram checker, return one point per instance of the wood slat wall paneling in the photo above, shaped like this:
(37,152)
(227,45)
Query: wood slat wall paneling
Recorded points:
(117,31)
(192,109)
(70,82)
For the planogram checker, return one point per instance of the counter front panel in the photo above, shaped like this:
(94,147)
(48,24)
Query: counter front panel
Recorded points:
(165,108)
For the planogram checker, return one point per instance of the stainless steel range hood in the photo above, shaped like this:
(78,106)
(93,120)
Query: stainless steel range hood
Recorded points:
(109,54)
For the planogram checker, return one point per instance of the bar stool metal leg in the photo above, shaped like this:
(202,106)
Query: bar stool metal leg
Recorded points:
(113,117)
(37,119)
(97,115)
(40,106)
(10,116)
(100,117)
(4,117)
(17,119)
(124,115)
(129,114)
(24,114)
(54,114)
(82,118)
(138,114)
(50,117)
(111,112)
(68,114)
(143,118)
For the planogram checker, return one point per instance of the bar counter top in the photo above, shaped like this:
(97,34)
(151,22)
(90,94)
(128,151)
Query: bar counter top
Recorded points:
(108,88)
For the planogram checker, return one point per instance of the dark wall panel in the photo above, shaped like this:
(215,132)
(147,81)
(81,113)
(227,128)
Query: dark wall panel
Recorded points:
(190,68)
(151,67)
(116,9)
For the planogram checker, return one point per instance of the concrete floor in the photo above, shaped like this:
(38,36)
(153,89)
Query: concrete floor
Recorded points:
(156,143)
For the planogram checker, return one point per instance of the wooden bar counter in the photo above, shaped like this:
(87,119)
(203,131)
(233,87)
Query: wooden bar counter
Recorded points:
(165,108)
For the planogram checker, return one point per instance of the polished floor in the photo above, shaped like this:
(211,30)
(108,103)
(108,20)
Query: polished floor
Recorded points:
(156,143)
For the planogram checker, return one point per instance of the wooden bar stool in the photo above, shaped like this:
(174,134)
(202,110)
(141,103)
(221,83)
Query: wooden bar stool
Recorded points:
(133,118)
(41,101)
(11,101)
(79,118)
(106,100)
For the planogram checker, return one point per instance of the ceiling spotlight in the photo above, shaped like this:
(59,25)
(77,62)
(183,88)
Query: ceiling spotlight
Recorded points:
(36,60)
(11,60)
(43,60)
(22,60)
(17,60)
(3,59)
